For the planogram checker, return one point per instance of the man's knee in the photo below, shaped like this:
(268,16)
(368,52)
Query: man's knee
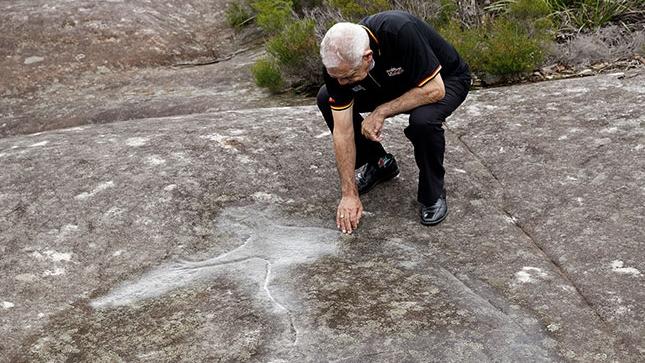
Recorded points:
(323,98)
(424,124)
(325,108)
(426,116)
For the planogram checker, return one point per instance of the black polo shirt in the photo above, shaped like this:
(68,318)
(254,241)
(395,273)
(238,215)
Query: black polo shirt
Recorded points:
(408,53)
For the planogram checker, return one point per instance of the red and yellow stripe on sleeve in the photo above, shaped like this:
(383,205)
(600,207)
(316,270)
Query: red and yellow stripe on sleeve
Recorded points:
(430,77)
(341,108)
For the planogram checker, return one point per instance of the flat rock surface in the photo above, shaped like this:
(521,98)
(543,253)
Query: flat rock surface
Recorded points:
(78,62)
(43,41)
(211,237)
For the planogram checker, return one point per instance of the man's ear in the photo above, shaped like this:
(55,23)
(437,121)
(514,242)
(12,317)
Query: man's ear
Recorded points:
(367,55)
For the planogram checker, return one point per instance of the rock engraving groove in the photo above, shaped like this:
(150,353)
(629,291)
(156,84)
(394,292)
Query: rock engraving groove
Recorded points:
(278,247)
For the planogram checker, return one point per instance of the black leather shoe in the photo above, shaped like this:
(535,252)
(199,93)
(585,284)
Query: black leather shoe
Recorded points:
(435,213)
(372,174)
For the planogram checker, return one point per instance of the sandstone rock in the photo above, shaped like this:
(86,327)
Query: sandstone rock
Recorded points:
(540,258)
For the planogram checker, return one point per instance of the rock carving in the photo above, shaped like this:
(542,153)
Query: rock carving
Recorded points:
(275,246)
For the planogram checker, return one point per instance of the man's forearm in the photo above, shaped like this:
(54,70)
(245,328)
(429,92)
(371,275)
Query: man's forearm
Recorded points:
(345,162)
(430,93)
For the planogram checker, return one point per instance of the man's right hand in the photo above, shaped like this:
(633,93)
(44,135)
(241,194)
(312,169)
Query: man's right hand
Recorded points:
(349,213)
(350,209)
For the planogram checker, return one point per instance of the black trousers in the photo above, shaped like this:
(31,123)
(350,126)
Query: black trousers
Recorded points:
(425,131)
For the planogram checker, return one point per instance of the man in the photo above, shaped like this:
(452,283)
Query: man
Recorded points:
(390,63)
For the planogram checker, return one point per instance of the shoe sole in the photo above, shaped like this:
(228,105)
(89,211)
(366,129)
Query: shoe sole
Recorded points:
(382,180)
(435,223)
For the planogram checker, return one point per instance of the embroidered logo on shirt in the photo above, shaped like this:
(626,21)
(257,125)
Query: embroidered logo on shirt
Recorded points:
(358,88)
(394,71)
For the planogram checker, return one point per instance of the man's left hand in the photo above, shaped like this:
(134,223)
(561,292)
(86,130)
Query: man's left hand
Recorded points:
(372,126)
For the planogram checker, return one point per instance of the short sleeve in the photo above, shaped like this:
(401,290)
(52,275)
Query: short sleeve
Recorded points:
(340,98)
(420,61)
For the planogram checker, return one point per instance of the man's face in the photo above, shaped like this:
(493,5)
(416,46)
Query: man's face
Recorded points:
(345,74)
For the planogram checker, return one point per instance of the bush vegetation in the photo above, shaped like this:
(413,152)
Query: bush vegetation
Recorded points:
(238,13)
(511,42)
(356,9)
(295,48)
(504,38)
(273,15)
(293,56)
(510,49)
(578,15)
(267,75)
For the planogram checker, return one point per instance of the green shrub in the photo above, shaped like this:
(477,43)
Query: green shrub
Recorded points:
(532,15)
(267,75)
(295,45)
(470,43)
(529,10)
(447,12)
(295,50)
(238,14)
(502,48)
(357,9)
(300,5)
(510,50)
(273,15)
(506,38)
(590,14)
(293,58)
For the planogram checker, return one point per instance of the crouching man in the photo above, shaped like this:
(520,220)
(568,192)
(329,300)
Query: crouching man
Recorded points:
(390,63)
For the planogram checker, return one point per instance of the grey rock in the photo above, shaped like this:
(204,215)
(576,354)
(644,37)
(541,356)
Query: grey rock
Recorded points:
(540,259)
(32,60)
(202,229)
(116,61)
(585,72)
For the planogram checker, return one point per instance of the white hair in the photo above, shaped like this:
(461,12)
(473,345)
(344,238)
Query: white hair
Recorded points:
(344,43)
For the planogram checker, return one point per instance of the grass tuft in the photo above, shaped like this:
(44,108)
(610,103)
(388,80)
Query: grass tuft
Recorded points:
(267,75)
(238,14)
